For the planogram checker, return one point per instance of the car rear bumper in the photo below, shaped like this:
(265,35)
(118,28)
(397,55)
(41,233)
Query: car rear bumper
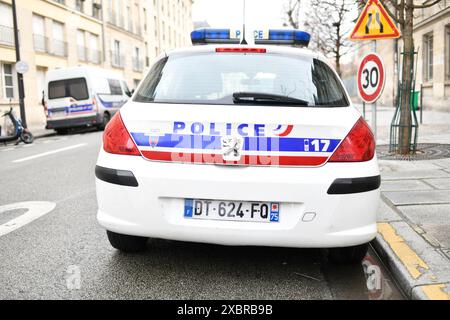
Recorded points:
(72,122)
(309,215)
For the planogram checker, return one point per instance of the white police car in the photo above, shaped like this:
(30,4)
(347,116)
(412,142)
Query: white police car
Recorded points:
(240,145)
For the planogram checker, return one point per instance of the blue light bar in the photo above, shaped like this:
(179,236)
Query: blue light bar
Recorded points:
(292,37)
(208,35)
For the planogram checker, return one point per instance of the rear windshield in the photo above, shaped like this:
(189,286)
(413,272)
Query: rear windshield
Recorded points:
(75,88)
(212,78)
(114,87)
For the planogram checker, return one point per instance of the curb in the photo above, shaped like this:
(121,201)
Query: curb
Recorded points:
(419,269)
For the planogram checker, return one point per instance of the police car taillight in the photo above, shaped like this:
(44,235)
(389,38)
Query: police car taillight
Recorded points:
(116,138)
(359,145)
(242,49)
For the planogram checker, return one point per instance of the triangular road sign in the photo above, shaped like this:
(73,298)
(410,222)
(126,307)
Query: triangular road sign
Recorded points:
(374,23)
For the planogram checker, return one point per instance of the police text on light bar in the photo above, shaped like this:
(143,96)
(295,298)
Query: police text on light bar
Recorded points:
(291,37)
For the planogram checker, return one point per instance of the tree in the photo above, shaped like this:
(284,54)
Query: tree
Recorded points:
(402,12)
(330,23)
(292,10)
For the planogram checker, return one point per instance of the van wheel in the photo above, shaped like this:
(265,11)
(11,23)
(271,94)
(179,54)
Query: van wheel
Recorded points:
(126,243)
(62,131)
(348,255)
(106,118)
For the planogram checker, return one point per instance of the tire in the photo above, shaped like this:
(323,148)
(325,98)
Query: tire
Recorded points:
(62,131)
(348,255)
(126,243)
(27,137)
(106,119)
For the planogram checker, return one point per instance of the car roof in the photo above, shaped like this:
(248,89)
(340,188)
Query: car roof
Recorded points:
(70,72)
(274,49)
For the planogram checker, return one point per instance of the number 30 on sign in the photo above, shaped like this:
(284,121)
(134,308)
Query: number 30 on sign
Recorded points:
(371,78)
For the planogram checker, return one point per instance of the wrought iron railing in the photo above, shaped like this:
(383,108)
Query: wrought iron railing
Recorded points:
(40,43)
(6,35)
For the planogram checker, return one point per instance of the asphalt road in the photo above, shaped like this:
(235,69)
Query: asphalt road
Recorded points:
(65,254)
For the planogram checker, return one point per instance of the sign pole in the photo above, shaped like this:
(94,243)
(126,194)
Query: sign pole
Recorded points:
(19,75)
(374,105)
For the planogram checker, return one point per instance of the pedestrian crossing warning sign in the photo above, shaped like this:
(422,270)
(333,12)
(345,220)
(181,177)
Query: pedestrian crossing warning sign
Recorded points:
(374,23)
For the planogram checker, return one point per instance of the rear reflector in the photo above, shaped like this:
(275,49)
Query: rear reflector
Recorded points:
(116,138)
(243,49)
(358,146)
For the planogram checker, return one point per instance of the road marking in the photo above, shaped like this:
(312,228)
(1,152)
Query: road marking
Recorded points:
(50,152)
(36,209)
(413,263)
(8,149)
(435,292)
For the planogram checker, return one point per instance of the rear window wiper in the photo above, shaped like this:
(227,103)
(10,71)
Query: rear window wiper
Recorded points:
(258,97)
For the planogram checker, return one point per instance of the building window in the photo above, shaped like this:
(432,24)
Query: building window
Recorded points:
(58,44)
(6,25)
(117,59)
(81,46)
(145,19)
(8,80)
(428,57)
(137,62)
(130,19)
(138,19)
(61,1)
(39,38)
(79,5)
(447,43)
(96,10)
(95,53)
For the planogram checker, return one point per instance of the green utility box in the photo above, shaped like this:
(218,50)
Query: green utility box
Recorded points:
(415,100)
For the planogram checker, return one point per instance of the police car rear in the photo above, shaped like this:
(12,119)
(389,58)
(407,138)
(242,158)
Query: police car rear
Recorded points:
(240,145)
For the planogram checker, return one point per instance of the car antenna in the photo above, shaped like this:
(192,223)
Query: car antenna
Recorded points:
(243,27)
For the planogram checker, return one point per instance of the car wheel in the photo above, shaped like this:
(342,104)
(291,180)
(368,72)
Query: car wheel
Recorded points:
(106,119)
(348,255)
(126,243)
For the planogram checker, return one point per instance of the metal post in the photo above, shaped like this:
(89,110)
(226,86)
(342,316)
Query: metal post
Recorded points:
(364,110)
(19,75)
(421,102)
(374,105)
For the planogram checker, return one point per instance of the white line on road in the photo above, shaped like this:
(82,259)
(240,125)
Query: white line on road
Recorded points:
(49,153)
(35,210)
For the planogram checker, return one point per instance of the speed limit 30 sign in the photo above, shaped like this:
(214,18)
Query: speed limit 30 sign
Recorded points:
(371,78)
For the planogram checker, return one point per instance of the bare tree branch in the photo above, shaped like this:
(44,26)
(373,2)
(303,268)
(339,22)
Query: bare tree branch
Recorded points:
(426,4)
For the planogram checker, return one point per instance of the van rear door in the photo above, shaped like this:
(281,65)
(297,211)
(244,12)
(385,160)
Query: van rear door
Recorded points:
(69,98)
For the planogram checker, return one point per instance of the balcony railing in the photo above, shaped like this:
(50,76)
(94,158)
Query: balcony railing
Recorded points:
(95,56)
(40,43)
(138,64)
(117,60)
(59,48)
(81,51)
(6,35)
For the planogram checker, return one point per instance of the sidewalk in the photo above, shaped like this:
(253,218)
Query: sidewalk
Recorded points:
(414,213)
(39,131)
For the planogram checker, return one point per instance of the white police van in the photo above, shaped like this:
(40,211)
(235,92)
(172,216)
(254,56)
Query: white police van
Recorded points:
(240,145)
(83,96)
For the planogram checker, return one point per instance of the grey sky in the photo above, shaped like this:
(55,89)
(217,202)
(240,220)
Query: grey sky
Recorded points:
(228,13)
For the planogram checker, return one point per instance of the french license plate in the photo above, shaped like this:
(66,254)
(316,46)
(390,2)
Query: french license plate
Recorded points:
(58,114)
(232,210)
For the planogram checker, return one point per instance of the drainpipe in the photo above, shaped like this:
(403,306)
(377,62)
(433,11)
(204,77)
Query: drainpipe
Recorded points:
(103,34)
